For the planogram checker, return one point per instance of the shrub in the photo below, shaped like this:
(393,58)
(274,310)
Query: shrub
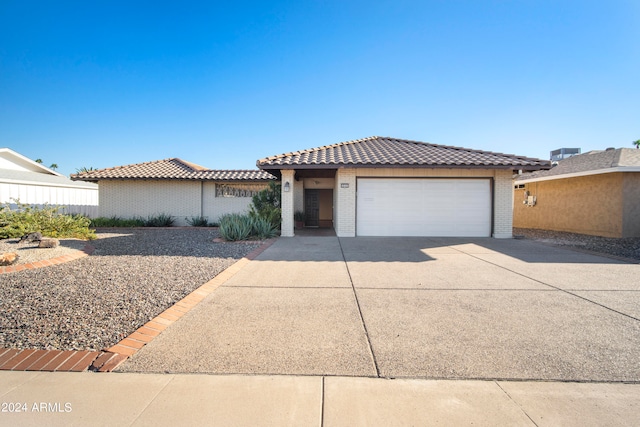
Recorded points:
(235,227)
(47,220)
(267,204)
(161,220)
(115,221)
(262,228)
(198,221)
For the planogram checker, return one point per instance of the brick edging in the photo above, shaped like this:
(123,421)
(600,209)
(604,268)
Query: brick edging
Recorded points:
(86,251)
(12,359)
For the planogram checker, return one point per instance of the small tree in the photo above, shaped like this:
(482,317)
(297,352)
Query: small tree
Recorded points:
(267,204)
(636,143)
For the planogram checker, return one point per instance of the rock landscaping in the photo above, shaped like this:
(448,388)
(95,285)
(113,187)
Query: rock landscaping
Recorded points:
(623,248)
(93,302)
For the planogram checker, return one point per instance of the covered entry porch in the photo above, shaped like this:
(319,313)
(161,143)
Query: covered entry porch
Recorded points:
(312,193)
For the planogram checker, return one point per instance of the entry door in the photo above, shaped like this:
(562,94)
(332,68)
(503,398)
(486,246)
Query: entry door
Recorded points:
(312,208)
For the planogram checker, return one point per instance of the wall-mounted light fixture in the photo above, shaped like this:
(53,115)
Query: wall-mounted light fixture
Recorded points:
(287,187)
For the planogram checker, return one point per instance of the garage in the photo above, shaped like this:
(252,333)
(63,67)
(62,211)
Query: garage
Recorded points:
(423,207)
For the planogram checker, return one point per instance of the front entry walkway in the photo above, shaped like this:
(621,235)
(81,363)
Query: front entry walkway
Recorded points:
(415,308)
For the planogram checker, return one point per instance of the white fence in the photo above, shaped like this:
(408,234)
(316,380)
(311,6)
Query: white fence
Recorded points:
(73,200)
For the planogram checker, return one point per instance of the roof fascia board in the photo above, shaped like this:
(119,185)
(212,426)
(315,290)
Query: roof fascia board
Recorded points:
(619,169)
(44,184)
(174,179)
(403,166)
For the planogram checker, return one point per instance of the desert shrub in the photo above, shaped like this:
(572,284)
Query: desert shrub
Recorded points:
(235,227)
(161,220)
(198,221)
(115,221)
(267,204)
(47,220)
(262,228)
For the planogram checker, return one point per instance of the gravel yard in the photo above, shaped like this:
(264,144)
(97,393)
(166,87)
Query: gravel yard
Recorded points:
(624,248)
(93,302)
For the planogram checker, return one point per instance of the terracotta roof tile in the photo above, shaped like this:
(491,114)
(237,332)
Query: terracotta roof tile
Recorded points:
(171,169)
(392,152)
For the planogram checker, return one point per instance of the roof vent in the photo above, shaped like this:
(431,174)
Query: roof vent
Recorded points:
(610,149)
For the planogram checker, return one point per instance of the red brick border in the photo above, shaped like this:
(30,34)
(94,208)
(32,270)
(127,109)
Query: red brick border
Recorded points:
(87,250)
(12,359)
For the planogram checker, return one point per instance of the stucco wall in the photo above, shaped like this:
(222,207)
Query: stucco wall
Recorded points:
(214,207)
(631,215)
(587,205)
(180,199)
(127,199)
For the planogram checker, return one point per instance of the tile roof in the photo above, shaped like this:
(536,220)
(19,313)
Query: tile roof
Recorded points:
(591,161)
(378,151)
(171,169)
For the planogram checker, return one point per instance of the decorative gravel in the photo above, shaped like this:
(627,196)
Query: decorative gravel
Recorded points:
(93,302)
(624,248)
(30,252)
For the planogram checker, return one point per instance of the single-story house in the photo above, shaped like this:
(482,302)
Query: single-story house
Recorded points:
(29,182)
(595,193)
(380,186)
(174,187)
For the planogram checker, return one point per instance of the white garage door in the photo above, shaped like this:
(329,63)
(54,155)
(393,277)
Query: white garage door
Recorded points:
(423,207)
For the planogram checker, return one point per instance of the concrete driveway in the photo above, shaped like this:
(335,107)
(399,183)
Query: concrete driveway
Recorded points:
(415,308)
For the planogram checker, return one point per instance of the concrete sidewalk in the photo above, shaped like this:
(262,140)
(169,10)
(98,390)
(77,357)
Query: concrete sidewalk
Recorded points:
(90,399)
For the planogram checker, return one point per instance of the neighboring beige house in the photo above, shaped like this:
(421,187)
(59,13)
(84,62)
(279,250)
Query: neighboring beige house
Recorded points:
(33,184)
(174,187)
(595,193)
(393,187)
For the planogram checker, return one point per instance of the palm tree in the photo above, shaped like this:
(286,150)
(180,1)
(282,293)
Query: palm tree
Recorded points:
(85,169)
(636,143)
(53,166)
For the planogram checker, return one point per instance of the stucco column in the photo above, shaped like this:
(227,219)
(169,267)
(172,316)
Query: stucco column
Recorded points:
(503,204)
(345,203)
(287,202)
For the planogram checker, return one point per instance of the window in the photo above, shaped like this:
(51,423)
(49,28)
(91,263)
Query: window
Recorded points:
(238,190)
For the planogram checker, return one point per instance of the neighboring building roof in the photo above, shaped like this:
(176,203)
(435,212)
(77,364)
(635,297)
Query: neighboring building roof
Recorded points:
(12,160)
(378,151)
(18,169)
(33,178)
(171,169)
(590,163)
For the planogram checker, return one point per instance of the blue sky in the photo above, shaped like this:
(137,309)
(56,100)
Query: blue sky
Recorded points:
(222,84)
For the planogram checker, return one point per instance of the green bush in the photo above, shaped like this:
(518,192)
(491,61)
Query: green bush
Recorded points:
(198,221)
(115,221)
(263,228)
(47,220)
(267,204)
(161,220)
(235,227)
